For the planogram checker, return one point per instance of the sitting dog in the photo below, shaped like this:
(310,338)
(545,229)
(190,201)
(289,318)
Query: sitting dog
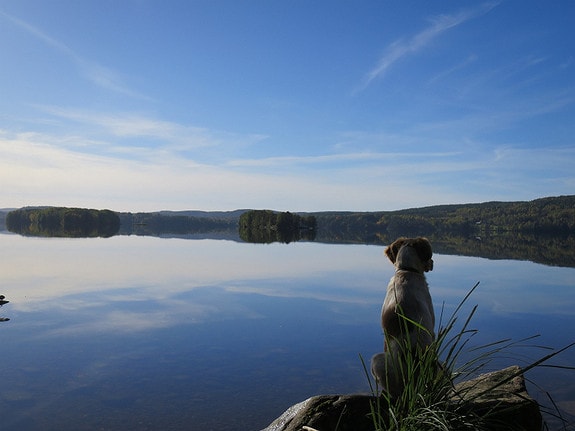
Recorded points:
(407,301)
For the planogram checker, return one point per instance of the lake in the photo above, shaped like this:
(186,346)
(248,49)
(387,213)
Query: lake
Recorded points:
(144,333)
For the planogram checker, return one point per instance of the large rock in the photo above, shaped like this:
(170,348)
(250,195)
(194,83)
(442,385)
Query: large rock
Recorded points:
(501,396)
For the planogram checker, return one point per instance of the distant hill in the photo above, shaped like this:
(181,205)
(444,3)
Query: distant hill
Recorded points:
(542,230)
(220,215)
(181,223)
(546,216)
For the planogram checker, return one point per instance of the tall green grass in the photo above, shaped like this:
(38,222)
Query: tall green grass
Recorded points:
(428,401)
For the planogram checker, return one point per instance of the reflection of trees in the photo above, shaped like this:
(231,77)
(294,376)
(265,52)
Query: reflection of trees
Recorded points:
(552,250)
(156,224)
(63,222)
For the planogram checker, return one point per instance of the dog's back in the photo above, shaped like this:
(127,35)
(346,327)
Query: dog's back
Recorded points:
(407,310)
(407,315)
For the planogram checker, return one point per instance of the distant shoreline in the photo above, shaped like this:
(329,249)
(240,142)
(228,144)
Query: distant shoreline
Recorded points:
(541,231)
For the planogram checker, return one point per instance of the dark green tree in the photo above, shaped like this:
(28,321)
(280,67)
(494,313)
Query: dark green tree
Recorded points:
(265,226)
(63,222)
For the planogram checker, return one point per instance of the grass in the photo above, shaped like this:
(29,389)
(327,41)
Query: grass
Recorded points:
(427,401)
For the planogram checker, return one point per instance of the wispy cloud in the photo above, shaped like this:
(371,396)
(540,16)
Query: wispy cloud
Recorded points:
(102,76)
(126,124)
(168,137)
(330,159)
(33,166)
(469,60)
(498,111)
(404,47)
(108,79)
(36,32)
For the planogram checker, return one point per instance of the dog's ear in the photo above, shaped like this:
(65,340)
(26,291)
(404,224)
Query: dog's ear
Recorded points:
(423,247)
(392,250)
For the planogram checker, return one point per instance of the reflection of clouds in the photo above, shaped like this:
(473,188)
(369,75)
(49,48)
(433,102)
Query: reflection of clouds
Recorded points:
(138,283)
(115,321)
(338,291)
(127,284)
(37,270)
(127,321)
(115,315)
(86,314)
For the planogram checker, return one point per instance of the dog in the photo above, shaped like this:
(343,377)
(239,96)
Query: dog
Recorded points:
(407,301)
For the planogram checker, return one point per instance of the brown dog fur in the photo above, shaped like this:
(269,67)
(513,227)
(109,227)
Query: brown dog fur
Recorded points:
(407,295)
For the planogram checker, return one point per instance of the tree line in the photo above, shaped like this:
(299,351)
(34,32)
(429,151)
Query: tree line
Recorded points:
(155,224)
(553,216)
(63,222)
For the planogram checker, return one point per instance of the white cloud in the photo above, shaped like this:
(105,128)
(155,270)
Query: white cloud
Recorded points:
(156,138)
(108,79)
(446,73)
(402,48)
(337,159)
(132,125)
(136,270)
(102,76)
(38,169)
(39,34)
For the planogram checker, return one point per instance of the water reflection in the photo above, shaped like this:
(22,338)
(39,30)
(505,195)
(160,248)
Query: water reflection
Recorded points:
(149,333)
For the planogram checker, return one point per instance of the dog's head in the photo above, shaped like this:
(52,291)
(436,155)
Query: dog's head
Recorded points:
(413,254)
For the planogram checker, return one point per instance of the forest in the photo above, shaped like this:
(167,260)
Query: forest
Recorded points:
(547,216)
(63,222)
(158,224)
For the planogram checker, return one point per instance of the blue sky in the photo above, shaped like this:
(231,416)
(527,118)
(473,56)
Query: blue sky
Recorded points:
(141,105)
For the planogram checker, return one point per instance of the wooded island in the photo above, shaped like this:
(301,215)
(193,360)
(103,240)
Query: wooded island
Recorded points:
(63,222)
(265,226)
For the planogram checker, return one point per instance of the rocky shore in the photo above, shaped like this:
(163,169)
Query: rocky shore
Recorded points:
(500,397)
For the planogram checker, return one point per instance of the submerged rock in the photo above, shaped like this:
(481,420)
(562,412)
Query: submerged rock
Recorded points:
(500,397)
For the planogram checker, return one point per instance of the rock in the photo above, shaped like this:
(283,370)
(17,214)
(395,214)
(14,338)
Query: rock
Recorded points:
(327,412)
(501,394)
(500,397)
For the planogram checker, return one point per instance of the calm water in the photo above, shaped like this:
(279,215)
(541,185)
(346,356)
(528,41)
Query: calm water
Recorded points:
(141,333)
